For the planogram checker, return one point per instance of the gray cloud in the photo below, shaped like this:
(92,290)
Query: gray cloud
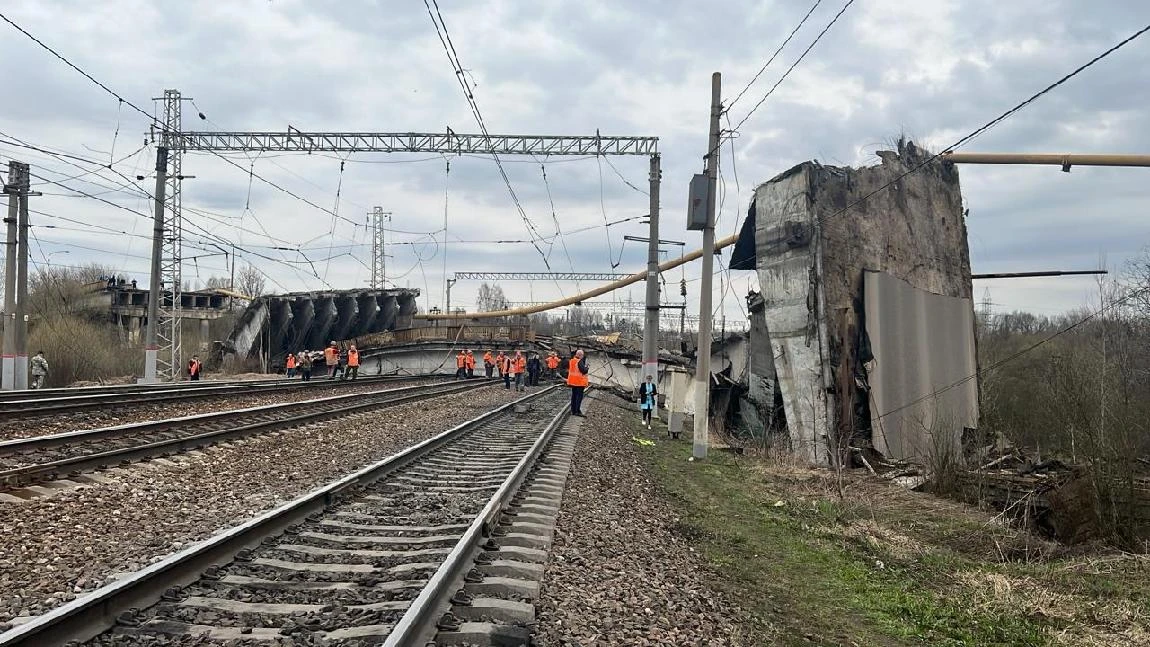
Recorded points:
(934,71)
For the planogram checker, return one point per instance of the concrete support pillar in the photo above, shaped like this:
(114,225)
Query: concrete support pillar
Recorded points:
(134,330)
(677,399)
(205,334)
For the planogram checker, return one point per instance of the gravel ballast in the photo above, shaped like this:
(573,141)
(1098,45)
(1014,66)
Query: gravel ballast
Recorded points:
(58,423)
(57,547)
(617,573)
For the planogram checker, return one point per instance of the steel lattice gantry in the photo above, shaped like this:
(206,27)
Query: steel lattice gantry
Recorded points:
(173,142)
(448,142)
(539,276)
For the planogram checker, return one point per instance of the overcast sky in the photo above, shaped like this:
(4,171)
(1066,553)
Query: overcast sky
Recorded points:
(933,70)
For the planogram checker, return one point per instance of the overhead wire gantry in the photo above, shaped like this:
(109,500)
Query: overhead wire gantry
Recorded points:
(163,357)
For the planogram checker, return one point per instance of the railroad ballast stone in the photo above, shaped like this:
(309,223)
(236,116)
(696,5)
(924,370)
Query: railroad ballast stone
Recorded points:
(59,423)
(58,547)
(617,574)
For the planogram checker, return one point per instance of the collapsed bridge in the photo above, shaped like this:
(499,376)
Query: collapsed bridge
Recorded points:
(274,325)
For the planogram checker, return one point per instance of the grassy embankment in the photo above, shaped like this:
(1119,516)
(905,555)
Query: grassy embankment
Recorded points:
(886,566)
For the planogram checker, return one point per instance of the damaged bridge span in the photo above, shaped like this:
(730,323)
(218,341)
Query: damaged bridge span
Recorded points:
(274,325)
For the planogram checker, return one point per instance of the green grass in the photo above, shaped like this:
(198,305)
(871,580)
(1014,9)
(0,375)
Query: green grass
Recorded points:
(800,581)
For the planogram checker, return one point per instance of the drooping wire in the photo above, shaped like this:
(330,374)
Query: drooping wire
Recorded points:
(446,187)
(620,175)
(606,230)
(990,124)
(335,216)
(795,64)
(774,55)
(558,230)
(460,76)
(151,117)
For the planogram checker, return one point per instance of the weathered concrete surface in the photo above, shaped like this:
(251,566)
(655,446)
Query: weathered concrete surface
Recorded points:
(811,251)
(277,324)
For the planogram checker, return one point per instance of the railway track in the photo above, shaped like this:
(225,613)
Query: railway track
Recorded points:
(26,461)
(443,541)
(29,404)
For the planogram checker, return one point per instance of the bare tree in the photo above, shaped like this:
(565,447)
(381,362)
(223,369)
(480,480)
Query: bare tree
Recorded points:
(215,282)
(490,298)
(251,281)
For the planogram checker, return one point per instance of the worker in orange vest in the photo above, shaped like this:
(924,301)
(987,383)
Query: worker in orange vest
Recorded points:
(352,363)
(460,365)
(289,365)
(552,364)
(577,380)
(331,358)
(505,370)
(518,365)
(500,363)
(488,363)
(469,363)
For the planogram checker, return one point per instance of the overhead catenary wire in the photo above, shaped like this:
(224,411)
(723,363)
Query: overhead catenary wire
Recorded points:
(774,55)
(151,117)
(990,124)
(793,65)
(457,67)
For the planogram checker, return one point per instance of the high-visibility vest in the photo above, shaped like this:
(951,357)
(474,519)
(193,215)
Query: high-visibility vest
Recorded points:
(487,359)
(575,377)
(330,356)
(353,358)
(509,365)
(290,363)
(518,364)
(460,360)
(469,361)
(552,362)
(501,363)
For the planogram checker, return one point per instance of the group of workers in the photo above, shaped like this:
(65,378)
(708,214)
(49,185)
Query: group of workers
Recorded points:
(517,368)
(523,371)
(334,362)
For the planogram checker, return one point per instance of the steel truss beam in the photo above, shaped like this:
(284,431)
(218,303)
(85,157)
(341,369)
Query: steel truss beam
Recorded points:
(539,276)
(448,143)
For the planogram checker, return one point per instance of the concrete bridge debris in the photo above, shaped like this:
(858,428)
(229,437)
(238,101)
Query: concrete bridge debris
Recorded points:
(866,302)
(274,325)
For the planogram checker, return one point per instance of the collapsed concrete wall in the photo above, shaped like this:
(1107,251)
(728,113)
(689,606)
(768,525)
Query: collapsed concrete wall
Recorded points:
(816,230)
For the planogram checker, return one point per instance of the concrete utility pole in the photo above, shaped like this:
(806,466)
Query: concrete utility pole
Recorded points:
(151,345)
(22,283)
(12,188)
(450,282)
(703,354)
(651,323)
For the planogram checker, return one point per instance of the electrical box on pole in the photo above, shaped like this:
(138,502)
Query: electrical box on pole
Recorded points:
(697,204)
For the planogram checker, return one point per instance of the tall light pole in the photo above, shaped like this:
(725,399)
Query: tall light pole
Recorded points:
(703,352)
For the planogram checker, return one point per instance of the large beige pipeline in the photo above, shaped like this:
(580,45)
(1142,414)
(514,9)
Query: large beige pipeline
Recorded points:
(1055,159)
(590,294)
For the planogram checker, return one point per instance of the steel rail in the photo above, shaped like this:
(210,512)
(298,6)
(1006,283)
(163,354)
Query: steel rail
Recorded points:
(88,616)
(31,405)
(30,474)
(417,626)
